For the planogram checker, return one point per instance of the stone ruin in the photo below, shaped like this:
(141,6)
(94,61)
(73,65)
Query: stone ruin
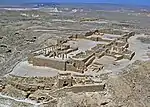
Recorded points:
(47,89)
(67,57)
(69,54)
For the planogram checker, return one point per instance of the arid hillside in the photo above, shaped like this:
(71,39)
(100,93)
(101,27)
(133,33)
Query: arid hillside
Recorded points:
(132,87)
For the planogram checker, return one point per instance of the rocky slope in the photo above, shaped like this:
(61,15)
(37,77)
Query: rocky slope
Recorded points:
(132,87)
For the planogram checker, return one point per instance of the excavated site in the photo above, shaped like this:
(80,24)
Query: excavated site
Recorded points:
(77,64)
(70,59)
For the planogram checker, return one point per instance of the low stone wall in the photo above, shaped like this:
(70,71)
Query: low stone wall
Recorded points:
(90,61)
(111,31)
(70,50)
(99,55)
(88,57)
(98,39)
(77,36)
(129,56)
(32,83)
(119,57)
(87,88)
(32,87)
(82,88)
(128,35)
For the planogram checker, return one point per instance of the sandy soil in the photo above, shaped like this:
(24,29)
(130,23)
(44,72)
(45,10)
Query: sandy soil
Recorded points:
(140,48)
(26,69)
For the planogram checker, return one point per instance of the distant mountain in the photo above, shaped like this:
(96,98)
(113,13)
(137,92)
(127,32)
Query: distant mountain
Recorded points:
(37,5)
(30,5)
(85,6)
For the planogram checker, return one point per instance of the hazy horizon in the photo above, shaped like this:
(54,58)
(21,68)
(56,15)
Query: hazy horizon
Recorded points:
(127,2)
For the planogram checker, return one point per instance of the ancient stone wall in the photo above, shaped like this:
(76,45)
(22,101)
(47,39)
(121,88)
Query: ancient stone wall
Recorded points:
(119,57)
(70,67)
(99,39)
(40,83)
(89,61)
(128,35)
(63,82)
(70,50)
(77,36)
(88,88)
(60,65)
(129,56)
(78,64)
(81,88)
(88,57)
(89,33)
(110,31)
(101,54)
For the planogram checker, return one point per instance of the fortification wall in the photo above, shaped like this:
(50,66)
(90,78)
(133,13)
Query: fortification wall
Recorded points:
(60,65)
(78,63)
(70,67)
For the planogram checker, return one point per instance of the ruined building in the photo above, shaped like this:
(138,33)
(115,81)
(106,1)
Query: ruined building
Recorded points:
(77,52)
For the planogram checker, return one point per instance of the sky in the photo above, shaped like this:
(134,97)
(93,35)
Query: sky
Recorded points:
(132,2)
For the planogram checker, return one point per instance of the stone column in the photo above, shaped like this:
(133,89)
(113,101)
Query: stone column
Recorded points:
(54,54)
(45,51)
(57,54)
(63,56)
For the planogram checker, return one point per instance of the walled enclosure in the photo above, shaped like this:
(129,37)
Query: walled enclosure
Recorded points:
(64,56)
(59,54)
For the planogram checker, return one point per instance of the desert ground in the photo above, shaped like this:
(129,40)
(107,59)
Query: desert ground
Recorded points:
(24,30)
